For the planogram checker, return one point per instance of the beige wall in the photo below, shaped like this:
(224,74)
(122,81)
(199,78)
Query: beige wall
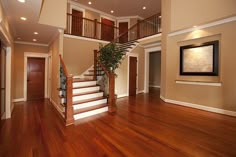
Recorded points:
(155,69)
(219,97)
(53,13)
(222,97)
(78,54)
(54,48)
(19,66)
(187,13)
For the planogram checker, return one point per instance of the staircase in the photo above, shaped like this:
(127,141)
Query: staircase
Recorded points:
(87,98)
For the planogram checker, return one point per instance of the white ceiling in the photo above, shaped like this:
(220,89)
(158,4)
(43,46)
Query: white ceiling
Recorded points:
(31,10)
(25,29)
(125,7)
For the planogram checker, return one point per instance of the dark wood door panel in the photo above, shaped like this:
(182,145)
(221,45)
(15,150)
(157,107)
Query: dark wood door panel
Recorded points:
(132,75)
(107,29)
(77,23)
(35,78)
(123,27)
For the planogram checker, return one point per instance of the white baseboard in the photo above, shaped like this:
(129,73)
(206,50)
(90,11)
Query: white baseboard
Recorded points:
(141,91)
(122,95)
(155,86)
(57,108)
(201,107)
(19,100)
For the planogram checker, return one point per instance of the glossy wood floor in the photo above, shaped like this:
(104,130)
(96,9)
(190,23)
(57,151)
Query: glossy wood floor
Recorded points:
(143,127)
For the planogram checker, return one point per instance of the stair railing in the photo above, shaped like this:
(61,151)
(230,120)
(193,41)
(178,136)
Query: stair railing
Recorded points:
(143,28)
(66,81)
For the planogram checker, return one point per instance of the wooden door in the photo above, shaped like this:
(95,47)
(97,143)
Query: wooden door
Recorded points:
(107,29)
(35,78)
(132,75)
(123,27)
(77,23)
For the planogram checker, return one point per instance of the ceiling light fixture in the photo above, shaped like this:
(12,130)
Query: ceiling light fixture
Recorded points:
(194,26)
(36,33)
(112,11)
(23,18)
(160,16)
(34,39)
(89,3)
(144,8)
(18,38)
(22,1)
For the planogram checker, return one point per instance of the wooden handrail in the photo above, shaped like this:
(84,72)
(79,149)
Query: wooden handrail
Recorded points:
(63,66)
(68,106)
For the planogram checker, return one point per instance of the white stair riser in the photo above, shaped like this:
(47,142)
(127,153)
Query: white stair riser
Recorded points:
(84,90)
(90,104)
(63,100)
(84,84)
(88,77)
(87,96)
(90,113)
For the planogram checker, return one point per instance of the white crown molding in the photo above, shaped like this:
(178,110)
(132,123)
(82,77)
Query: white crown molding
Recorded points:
(150,37)
(218,84)
(84,38)
(200,107)
(211,24)
(129,17)
(91,9)
(30,43)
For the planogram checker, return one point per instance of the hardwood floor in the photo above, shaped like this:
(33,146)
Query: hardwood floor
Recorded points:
(143,126)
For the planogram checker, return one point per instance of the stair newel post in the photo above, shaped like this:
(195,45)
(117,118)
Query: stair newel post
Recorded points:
(69,109)
(111,99)
(95,64)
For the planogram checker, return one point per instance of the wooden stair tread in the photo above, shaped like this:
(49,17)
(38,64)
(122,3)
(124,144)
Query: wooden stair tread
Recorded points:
(86,93)
(88,100)
(89,108)
(86,86)
(82,80)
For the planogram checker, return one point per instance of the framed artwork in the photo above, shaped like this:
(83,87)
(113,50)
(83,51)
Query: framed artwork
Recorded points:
(202,59)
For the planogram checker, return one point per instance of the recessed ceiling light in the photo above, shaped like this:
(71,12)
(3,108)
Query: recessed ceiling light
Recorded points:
(112,11)
(160,16)
(36,33)
(22,1)
(194,26)
(18,38)
(23,18)
(89,3)
(144,8)
(34,39)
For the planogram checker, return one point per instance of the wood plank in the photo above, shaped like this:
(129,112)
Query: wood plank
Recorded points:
(142,126)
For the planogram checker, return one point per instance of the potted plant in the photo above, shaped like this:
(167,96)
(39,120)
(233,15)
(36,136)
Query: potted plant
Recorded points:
(111,56)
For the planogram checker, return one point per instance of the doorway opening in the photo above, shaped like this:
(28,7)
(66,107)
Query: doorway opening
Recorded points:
(154,71)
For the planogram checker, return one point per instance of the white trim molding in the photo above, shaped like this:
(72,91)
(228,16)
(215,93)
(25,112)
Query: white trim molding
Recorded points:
(154,86)
(122,95)
(150,37)
(30,43)
(84,38)
(218,84)
(141,91)
(8,82)
(36,55)
(146,65)
(200,107)
(211,24)
(57,108)
(18,100)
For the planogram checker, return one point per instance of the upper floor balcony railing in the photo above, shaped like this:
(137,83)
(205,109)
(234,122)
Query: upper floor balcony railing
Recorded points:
(106,30)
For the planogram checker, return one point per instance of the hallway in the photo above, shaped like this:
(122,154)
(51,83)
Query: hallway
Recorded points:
(143,126)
